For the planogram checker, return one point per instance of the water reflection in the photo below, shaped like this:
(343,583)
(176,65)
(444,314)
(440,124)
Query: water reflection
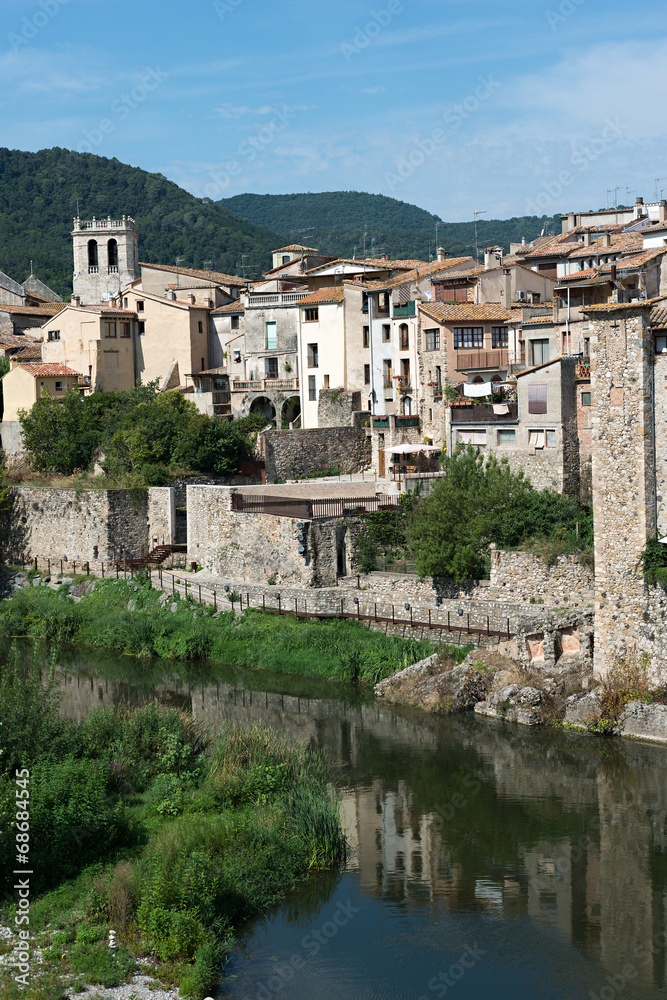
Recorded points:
(546,849)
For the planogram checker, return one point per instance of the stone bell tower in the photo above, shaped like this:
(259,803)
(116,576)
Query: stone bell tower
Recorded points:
(105,257)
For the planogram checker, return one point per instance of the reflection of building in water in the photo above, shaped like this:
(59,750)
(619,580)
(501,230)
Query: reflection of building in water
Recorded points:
(605,892)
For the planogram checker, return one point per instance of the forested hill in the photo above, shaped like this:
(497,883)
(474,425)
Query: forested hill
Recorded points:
(335,223)
(38,199)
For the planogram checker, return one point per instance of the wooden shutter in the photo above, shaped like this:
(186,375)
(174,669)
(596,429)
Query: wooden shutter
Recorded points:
(537,399)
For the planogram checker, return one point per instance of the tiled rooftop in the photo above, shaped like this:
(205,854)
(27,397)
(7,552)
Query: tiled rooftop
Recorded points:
(215,277)
(324,295)
(40,371)
(445,312)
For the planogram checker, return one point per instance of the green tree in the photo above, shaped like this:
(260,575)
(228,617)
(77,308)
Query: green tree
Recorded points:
(454,526)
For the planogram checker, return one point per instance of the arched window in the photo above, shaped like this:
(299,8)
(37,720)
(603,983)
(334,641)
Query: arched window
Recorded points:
(112,253)
(404,337)
(92,253)
(407,406)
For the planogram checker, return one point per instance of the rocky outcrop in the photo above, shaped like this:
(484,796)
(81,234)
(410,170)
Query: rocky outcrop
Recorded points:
(583,711)
(514,704)
(428,686)
(647,722)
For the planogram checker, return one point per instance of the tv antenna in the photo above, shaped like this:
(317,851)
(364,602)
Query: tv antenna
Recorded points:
(657,181)
(302,233)
(179,261)
(474,215)
(208,265)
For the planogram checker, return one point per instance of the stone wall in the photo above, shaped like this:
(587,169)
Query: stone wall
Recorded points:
(84,525)
(258,547)
(556,641)
(522,575)
(161,515)
(336,407)
(288,454)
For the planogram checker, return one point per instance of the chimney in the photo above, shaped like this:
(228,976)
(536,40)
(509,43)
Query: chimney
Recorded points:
(76,300)
(662,211)
(639,201)
(523,241)
(171,294)
(606,240)
(442,254)
(191,299)
(587,238)
(571,221)
(489,258)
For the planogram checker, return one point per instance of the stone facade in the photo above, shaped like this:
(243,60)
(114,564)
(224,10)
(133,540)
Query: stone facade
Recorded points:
(336,407)
(625,493)
(522,575)
(288,454)
(92,526)
(258,547)
(105,257)
(556,641)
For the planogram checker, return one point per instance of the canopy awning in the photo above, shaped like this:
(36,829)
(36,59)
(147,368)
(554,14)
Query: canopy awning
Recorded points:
(409,449)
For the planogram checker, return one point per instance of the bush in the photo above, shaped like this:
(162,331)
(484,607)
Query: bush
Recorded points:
(206,971)
(101,967)
(627,681)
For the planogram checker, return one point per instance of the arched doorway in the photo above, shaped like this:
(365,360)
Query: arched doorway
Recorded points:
(291,412)
(263,407)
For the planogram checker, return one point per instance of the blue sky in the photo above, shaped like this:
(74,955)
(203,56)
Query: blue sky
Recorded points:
(507,107)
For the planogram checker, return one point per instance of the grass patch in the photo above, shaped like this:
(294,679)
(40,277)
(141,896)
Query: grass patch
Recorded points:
(341,650)
(140,820)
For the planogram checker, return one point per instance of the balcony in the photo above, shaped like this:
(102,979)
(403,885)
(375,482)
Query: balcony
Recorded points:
(403,309)
(275,299)
(482,359)
(267,385)
(483,413)
(407,421)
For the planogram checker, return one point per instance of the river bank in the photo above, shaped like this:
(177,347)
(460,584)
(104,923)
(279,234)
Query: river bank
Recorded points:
(146,822)
(133,618)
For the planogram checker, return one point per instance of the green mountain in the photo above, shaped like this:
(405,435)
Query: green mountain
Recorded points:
(342,222)
(38,200)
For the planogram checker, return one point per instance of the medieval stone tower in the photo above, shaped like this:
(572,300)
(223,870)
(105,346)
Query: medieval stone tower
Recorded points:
(629,453)
(105,257)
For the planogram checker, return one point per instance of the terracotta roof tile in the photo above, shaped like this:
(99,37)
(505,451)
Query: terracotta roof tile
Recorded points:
(40,371)
(635,261)
(28,354)
(216,277)
(212,371)
(616,306)
(445,313)
(387,265)
(16,340)
(659,316)
(539,321)
(46,309)
(295,248)
(323,296)
(229,308)
(431,270)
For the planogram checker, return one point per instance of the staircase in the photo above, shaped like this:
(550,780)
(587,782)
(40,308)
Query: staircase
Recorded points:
(155,557)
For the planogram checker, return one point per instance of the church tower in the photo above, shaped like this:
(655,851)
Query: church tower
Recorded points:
(105,258)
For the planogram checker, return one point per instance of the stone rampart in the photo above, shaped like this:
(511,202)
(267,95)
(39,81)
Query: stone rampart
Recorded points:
(288,454)
(522,575)
(336,407)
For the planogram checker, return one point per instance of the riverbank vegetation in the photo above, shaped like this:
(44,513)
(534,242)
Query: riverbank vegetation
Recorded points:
(144,821)
(140,437)
(478,501)
(133,618)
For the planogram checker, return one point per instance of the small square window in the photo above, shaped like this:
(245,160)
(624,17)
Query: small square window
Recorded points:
(537,398)
(54,335)
(59,387)
(235,322)
(550,439)
(386,333)
(125,329)
(585,399)
(140,305)
(142,327)
(507,438)
(431,340)
(237,357)
(313,356)
(312,315)
(661,344)
(200,327)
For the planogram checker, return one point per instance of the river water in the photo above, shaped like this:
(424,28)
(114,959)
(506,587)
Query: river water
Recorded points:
(486,860)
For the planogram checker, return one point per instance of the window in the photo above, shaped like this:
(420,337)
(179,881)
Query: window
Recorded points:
(59,387)
(271,367)
(312,315)
(125,303)
(326,381)
(585,399)
(237,357)
(404,335)
(540,351)
(506,438)
(367,374)
(405,372)
(660,344)
(468,336)
(550,439)
(53,335)
(200,327)
(112,253)
(110,328)
(142,327)
(475,437)
(383,302)
(367,336)
(386,372)
(431,340)
(536,439)
(271,337)
(313,356)
(499,337)
(312,391)
(364,302)
(203,365)
(537,398)
(140,305)
(220,383)
(286,258)
(438,377)
(92,253)
(125,329)
(386,333)
(235,322)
